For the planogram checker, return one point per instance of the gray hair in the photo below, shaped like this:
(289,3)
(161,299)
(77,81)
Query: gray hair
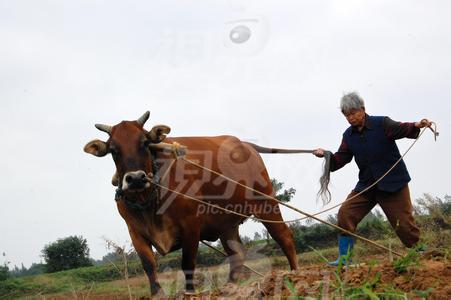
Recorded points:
(351,101)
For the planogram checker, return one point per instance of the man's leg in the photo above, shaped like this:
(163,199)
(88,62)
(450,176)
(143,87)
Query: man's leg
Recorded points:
(354,210)
(399,211)
(350,214)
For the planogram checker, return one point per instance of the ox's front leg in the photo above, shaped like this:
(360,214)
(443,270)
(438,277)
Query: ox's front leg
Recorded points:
(189,248)
(145,253)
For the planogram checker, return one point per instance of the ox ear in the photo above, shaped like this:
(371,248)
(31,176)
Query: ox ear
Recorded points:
(97,148)
(158,133)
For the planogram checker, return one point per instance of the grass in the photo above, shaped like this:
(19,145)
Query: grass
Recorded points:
(107,280)
(412,259)
(62,282)
(344,290)
(294,294)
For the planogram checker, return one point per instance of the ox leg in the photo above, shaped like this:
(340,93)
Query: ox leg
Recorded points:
(145,253)
(233,246)
(282,235)
(189,254)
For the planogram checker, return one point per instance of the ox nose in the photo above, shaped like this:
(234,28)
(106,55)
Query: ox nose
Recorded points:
(136,180)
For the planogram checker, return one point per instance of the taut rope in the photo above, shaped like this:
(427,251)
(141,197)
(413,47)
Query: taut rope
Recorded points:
(307,215)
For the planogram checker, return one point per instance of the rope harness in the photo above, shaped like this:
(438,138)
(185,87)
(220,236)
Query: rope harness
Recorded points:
(154,195)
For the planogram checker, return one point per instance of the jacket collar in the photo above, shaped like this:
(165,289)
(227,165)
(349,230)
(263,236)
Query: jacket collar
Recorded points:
(367,126)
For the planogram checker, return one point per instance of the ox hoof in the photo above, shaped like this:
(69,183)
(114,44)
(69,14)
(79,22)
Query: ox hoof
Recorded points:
(233,278)
(191,295)
(156,290)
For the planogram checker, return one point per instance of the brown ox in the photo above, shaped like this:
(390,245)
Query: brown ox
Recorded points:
(168,221)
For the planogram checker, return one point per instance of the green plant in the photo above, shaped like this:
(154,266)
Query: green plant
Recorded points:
(4,270)
(172,289)
(294,294)
(67,253)
(321,291)
(16,287)
(391,293)
(285,195)
(424,294)
(366,289)
(343,291)
(374,226)
(338,284)
(411,259)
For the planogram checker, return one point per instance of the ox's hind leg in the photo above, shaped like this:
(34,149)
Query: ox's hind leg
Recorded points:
(280,233)
(234,248)
(190,244)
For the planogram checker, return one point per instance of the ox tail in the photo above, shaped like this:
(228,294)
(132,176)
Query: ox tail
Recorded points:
(323,193)
(261,149)
(324,180)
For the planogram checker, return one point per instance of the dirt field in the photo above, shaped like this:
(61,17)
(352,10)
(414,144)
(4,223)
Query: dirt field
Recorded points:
(431,279)
(374,276)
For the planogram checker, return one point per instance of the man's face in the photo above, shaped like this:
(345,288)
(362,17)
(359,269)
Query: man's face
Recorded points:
(355,117)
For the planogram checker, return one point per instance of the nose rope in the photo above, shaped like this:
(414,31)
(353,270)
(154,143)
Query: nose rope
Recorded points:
(154,196)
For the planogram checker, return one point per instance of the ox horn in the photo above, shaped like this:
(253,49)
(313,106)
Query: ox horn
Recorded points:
(104,128)
(143,118)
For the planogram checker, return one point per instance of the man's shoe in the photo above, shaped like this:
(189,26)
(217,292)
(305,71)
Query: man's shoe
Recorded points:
(337,261)
(345,246)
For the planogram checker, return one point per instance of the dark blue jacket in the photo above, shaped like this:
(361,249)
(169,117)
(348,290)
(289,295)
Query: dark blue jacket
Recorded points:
(375,151)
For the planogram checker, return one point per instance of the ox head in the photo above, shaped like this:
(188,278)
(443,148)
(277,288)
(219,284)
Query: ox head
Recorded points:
(130,145)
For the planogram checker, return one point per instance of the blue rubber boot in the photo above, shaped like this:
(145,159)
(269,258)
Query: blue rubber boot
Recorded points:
(345,245)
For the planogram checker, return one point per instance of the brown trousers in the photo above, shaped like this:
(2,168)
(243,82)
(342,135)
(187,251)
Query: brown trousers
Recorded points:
(396,206)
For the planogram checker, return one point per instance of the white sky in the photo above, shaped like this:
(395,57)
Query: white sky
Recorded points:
(65,65)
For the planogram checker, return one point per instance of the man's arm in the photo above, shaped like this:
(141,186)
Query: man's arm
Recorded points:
(339,158)
(398,130)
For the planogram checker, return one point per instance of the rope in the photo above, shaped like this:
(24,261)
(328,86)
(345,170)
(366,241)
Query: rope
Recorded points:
(382,177)
(167,170)
(273,221)
(287,205)
(219,251)
(435,132)
(176,155)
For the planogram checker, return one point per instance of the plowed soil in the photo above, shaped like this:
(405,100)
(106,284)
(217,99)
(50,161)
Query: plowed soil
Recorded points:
(431,279)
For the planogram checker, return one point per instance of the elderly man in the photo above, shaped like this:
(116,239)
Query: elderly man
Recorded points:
(371,141)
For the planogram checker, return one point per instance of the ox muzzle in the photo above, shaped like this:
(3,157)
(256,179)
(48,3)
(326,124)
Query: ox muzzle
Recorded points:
(136,181)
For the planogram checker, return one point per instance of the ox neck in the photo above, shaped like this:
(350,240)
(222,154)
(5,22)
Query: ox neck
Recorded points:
(149,198)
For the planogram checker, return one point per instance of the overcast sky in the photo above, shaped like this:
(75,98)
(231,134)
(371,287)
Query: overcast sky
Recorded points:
(66,65)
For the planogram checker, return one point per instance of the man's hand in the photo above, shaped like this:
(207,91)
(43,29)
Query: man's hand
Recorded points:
(423,123)
(319,152)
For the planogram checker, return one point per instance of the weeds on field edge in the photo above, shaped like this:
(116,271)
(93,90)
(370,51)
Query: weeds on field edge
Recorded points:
(366,290)
(412,259)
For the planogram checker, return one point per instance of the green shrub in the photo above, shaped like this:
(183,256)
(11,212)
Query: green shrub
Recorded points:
(4,272)
(65,254)
(374,226)
(433,212)
(315,235)
(101,273)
